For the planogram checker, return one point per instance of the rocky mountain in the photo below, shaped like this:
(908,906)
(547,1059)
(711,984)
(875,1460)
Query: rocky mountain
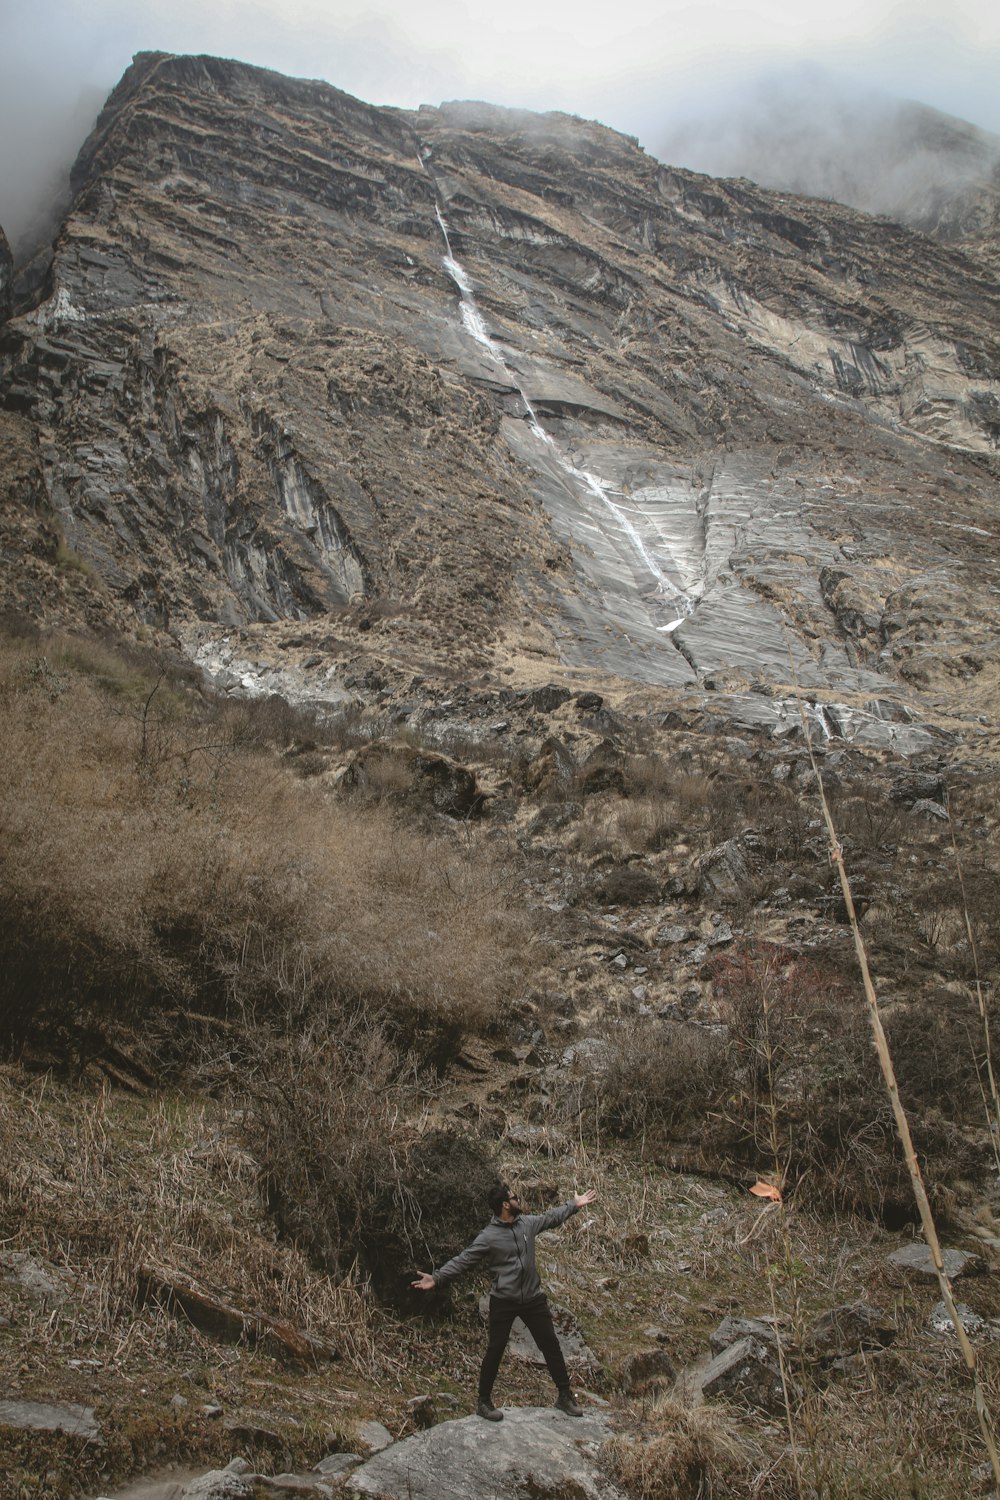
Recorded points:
(808,133)
(310,384)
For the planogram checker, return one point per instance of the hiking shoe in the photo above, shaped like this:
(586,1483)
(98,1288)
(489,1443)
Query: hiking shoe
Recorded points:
(490,1413)
(565,1403)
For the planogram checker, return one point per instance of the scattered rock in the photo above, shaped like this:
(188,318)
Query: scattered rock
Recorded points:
(731,1330)
(925,808)
(230,1483)
(292,1484)
(533,1451)
(847,1329)
(418,777)
(727,869)
(45,1416)
(748,1373)
(674,933)
(335,1464)
(918,1259)
(589,703)
(940,1320)
(545,700)
(543,1138)
(34,1278)
(917,786)
(373,1437)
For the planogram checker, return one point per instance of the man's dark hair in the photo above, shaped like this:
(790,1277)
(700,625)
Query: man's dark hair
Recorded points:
(497,1197)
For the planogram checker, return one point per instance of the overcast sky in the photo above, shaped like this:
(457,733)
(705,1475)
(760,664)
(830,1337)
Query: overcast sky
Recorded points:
(641,67)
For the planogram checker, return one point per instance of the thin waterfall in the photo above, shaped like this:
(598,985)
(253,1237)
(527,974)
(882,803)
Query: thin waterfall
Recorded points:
(475,326)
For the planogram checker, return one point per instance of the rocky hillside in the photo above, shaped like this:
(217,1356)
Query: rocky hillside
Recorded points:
(898,159)
(491,389)
(441,555)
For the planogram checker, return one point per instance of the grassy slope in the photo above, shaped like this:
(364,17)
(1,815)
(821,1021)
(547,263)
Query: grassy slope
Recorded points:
(146,1153)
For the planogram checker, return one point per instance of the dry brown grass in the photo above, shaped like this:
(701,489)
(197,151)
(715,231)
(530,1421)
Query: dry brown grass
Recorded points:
(153,863)
(684,1453)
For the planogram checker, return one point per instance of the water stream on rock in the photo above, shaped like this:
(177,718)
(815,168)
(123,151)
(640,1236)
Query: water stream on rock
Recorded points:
(475,326)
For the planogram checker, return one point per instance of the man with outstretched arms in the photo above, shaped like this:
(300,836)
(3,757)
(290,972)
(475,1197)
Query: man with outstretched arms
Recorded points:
(507,1248)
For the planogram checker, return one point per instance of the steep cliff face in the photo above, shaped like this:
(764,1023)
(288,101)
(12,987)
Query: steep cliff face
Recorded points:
(454,386)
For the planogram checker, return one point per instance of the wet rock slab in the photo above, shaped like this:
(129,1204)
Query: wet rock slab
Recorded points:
(535,1450)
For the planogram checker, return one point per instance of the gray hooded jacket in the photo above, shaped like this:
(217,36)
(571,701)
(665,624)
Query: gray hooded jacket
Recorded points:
(508,1250)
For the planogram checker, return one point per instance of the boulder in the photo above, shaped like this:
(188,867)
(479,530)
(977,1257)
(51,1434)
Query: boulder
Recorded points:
(848,1329)
(48,1416)
(747,1373)
(373,1437)
(418,777)
(728,869)
(231,1483)
(731,1330)
(545,700)
(917,1260)
(924,807)
(534,1451)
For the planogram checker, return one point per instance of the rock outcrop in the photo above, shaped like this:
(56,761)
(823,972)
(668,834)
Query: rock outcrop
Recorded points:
(468,388)
(536,1451)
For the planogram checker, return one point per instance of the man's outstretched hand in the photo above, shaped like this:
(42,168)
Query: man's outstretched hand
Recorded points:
(423,1283)
(582,1199)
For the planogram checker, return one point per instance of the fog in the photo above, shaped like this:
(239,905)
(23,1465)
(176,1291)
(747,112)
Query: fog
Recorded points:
(728,86)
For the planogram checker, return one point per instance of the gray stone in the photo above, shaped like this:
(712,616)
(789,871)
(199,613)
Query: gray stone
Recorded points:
(849,1328)
(337,1463)
(747,1373)
(918,1259)
(373,1437)
(219,1484)
(292,1484)
(533,1451)
(940,1321)
(33,1277)
(728,868)
(674,933)
(46,1416)
(925,808)
(731,1330)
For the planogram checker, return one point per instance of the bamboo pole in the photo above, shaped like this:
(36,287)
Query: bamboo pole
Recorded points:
(927,1223)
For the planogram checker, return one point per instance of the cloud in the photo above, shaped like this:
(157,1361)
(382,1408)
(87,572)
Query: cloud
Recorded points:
(643,66)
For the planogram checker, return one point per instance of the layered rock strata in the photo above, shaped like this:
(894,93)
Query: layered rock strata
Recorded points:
(469,388)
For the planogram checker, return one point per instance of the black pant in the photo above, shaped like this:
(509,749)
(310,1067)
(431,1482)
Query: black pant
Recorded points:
(537,1319)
